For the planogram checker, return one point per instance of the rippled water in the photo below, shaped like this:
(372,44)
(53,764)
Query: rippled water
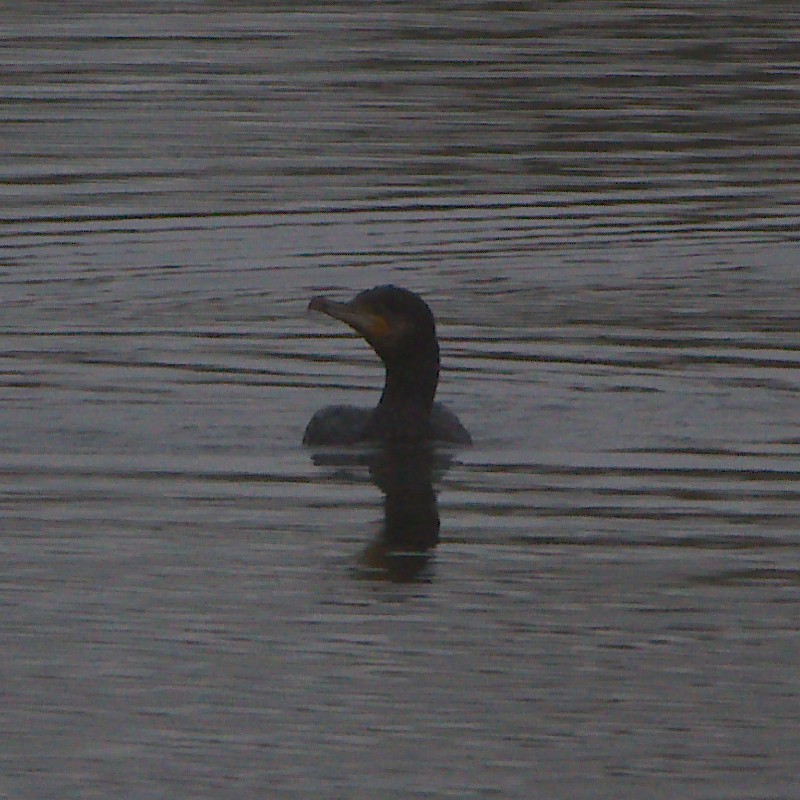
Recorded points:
(600,202)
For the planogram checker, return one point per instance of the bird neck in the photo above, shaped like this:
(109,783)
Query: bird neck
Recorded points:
(411,384)
(404,410)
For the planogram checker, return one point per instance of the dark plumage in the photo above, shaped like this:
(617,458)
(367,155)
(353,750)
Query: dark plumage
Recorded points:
(400,328)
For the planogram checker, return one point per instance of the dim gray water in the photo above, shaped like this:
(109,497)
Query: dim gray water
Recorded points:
(601,203)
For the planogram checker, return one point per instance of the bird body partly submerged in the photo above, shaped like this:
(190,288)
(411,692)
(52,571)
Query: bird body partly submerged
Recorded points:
(400,328)
(345,425)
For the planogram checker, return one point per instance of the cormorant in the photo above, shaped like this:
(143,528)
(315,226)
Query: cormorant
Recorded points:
(399,326)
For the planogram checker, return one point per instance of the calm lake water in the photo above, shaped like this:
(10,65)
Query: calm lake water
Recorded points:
(601,203)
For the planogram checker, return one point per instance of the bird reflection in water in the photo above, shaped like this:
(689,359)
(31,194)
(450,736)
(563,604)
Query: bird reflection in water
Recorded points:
(401,551)
(403,428)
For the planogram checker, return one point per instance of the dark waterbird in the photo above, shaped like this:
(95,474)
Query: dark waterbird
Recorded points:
(399,326)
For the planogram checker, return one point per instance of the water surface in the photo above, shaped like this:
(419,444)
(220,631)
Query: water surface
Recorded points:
(600,203)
